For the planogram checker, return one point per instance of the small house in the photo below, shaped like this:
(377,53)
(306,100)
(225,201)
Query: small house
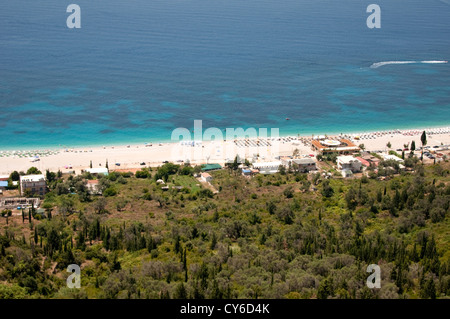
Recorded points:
(348,162)
(206,177)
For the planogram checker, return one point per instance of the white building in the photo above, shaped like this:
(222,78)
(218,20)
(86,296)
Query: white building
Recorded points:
(35,184)
(206,177)
(388,157)
(98,170)
(267,167)
(349,163)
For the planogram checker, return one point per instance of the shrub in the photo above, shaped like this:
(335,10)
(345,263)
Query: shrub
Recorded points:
(110,191)
(437,214)
(142,174)
(288,192)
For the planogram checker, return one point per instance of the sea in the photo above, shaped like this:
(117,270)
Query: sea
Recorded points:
(138,69)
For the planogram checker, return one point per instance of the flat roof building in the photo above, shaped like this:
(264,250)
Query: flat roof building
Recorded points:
(305,164)
(267,167)
(97,170)
(343,146)
(348,163)
(33,184)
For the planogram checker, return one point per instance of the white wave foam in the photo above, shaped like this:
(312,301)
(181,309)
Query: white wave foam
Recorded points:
(379,64)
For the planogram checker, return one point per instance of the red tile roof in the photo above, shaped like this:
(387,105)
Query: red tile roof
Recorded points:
(363,161)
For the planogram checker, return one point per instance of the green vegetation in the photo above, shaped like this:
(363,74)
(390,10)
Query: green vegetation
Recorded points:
(287,235)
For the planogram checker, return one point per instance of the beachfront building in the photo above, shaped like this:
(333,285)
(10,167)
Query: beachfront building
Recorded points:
(388,157)
(33,184)
(267,167)
(210,167)
(327,146)
(206,177)
(348,163)
(305,165)
(98,171)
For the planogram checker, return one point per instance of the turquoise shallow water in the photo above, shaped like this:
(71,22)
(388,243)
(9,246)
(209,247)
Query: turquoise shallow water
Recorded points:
(137,70)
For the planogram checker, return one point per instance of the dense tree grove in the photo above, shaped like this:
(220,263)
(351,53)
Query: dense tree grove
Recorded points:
(289,235)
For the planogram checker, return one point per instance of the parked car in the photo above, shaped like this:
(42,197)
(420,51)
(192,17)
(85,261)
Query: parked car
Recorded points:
(117,164)
(142,163)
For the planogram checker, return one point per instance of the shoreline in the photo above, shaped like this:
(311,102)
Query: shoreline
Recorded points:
(140,141)
(130,156)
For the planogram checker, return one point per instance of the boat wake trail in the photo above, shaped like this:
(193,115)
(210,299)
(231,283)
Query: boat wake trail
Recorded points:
(379,64)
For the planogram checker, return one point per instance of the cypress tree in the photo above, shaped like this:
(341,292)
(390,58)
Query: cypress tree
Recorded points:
(150,245)
(379,196)
(177,245)
(213,241)
(423,139)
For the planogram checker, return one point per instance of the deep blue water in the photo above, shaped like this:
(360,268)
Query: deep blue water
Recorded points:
(138,69)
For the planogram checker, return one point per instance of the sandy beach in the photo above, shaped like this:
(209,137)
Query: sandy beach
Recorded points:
(131,156)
